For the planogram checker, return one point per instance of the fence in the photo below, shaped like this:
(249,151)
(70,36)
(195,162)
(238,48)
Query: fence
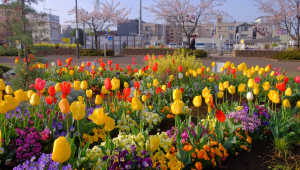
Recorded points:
(116,43)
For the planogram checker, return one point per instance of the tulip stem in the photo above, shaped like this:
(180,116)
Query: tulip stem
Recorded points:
(60,166)
(240,98)
(78,133)
(226,94)
(67,117)
(265,99)
(198,116)
(231,99)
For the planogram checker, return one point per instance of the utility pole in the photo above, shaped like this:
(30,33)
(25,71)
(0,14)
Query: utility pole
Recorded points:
(77,34)
(140,19)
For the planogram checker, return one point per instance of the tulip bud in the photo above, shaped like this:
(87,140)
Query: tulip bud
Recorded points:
(211,79)
(208,69)
(64,106)
(231,89)
(177,95)
(242,87)
(250,83)
(77,110)
(2,85)
(98,100)
(288,92)
(286,103)
(213,64)
(221,87)
(176,107)
(205,92)
(266,86)
(255,91)
(298,104)
(4,107)
(250,96)
(57,87)
(148,85)
(220,94)
(71,72)
(171,78)
(136,104)
(197,101)
(61,150)
(8,89)
(126,84)
(226,84)
(155,82)
(144,98)
(35,100)
(83,85)
(187,74)
(272,74)
(103,90)
(276,98)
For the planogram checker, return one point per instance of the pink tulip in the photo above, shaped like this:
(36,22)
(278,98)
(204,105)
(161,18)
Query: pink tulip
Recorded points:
(39,84)
(45,134)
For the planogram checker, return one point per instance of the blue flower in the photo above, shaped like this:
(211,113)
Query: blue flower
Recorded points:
(265,123)
(67,167)
(72,129)
(59,126)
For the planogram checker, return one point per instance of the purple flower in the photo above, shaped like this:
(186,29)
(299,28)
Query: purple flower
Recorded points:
(67,167)
(53,165)
(32,142)
(72,129)
(128,165)
(19,141)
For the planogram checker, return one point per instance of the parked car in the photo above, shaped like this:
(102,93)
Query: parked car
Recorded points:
(172,45)
(200,46)
(211,46)
(185,44)
(228,47)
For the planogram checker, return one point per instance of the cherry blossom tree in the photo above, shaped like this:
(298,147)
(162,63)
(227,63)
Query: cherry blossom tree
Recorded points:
(284,14)
(184,13)
(108,16)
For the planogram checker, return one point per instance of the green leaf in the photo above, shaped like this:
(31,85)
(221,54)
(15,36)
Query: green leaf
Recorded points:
(232,127)
(229,141)
(102,149)
(219,131)
(88,127)
(183,156)
(134,130)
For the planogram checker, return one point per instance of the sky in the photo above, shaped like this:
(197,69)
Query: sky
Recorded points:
(239,10)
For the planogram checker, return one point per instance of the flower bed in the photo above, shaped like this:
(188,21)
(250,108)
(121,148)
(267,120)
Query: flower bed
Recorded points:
(171,113)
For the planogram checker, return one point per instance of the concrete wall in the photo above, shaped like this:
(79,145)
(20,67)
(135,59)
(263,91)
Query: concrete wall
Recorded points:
(253,53)
(147,51)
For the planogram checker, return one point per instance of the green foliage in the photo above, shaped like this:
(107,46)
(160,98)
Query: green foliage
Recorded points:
(9,51)
(200,53)
(287,55)
(3,69)
(274,45)
(73,34)
(196,53)
(95,52)
(281,145)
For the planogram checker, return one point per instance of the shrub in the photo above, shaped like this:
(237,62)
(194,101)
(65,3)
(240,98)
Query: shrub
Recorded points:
(196,53)
(281,145)
(287,55)
(95,52)
(9,51)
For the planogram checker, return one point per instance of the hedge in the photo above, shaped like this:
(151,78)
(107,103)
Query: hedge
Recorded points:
(288,55)
(197,53)
(95,52)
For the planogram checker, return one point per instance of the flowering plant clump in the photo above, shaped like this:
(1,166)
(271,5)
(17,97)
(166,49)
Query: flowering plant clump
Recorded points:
(244,142)
(151,119)
(125,159)
(263,114)
(58,127)
(242,117)
(44,162)
(166,161)
(211,122)
(125,123)
(98,133)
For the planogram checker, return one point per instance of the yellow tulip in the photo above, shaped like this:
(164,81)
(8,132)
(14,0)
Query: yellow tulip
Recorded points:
(276,98)
(255,91)
(2,85)
(109,124)
(144,98)
(250,82)
(100,69)
(81,99)
(35,99)
(197,101)
(267,69)
(272,74)
(286,103)
(266,86)
(155,82)
(222,69)
(115,84)
(252,70)
(57,87)
(137,94)
(220,94)
(211,79)
(154,143)
(77,110)
(126,84)
(8,89)
(171,77)
(177,95)
(20,95)
(208,69)
(288,92)
(103,90)
(89,93)
(298,104)
(84,85)
(270,94)
(226,84)
(98,116)
(176,107)
(208,102)
(231,89)
(148,85)
(221,87)
(232,65)
(64,106)
(61,150)
(136,104)
(242,87)
(280,77)
(71,72)
(3,107)
(29,94)
(98,100)
(205,92)
(164,88)
(261,71)
(256,68)
(83,64)
(43,90)
(256,86)
(13,103)
(187,74)
(93,67)
(199,71)
(194,73)
(1,95)
(213,64)
(77,85)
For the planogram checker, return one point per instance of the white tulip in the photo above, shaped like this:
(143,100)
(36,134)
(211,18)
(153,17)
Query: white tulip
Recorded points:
(180,75)
(78,67)
(250,96)
(53,64)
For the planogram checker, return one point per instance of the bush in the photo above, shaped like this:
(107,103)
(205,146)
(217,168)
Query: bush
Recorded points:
(9,51)
(185,51)
(95,52)
(287,55)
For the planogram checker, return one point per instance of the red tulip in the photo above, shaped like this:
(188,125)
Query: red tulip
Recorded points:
(128,67)
(111,93)
(158,90)
(233,72)
(133,59)
(55,100)
(102,64)
(109,62)
(65,88)
(137,85)
(257,80)
(70,59)
(180,68)
(51,91)
(286,80)
(59,63)
(297,79)
(182,90)
(121,69)
(173,61)
(136,70)
(148,95)
(130,99)
(88,64)
(17,58)
(281,86)
(220,115)
(119,96)
(169,84)
(49,100)
(127,91)
(39,84)
(107,83)
(228,70)
(133,63)
(111,69)
(58,60)
(47,64)
(102,95)
(155,67)
(269,66)
(117,66)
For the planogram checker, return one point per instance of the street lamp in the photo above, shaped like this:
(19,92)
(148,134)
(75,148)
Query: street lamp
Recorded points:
(77,34)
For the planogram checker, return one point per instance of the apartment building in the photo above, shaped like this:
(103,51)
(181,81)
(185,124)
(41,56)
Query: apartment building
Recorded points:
(66,32)
(129,28)
(224,29)
(263,28)
(244,31)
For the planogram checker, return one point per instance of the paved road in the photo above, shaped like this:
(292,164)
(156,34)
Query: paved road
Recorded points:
(290,67)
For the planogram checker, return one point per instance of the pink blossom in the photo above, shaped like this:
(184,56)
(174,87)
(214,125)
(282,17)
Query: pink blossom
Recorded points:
(39,84)
(45,134)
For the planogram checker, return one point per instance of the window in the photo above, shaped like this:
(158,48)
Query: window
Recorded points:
(231,36)
(147,28)
(244,28)
(171,30)
(207,29)
(171,33)
(219,28)
(172,37)
(244,36)
(231,28)
(220,20)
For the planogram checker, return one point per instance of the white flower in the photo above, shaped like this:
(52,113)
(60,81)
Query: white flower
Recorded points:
(1,150)
(250,96)
(7,162)
(180,75)
(53,64)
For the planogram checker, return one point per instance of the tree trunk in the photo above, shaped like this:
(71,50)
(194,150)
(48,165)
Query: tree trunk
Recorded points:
(298,26)
(188,39)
